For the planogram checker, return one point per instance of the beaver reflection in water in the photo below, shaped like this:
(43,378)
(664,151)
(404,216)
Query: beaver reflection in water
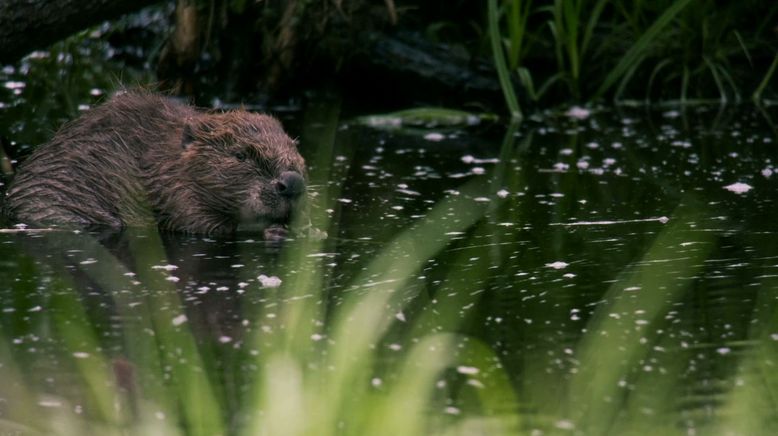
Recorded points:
(141,157)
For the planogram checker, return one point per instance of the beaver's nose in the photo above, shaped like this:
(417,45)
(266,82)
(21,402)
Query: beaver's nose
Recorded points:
(290,184)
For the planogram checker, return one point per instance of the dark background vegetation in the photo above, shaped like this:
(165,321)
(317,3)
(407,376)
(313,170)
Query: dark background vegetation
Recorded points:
(440,52)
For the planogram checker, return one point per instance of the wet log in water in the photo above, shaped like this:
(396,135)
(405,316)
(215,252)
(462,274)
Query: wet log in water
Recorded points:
(408,59)
(27,25)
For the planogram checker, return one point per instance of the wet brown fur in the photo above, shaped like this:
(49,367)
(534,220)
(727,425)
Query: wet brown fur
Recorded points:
(141,158)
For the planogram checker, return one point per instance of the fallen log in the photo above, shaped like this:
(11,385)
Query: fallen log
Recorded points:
(27,25)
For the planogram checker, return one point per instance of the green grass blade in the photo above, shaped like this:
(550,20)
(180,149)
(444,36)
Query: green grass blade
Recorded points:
(757,96)
(685,84)
(729,80)
(641,46)
(654,73)
(500,63)
(624,81)
(594,18)
(606,356)
(713,71)
(743,46)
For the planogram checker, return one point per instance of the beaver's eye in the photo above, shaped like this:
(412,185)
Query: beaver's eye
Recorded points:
(241,156)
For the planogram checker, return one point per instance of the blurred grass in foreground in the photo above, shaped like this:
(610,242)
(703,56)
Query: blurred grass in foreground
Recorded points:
(318,368)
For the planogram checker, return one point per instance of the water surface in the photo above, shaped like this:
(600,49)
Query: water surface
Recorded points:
(611,274)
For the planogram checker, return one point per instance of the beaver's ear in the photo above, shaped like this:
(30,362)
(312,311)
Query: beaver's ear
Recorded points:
(187,137)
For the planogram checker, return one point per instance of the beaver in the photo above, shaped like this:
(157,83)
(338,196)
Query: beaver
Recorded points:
(141,158)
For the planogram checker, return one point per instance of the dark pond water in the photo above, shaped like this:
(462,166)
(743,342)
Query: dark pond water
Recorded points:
(612,274)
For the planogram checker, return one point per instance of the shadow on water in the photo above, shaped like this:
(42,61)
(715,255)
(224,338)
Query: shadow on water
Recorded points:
(589,276)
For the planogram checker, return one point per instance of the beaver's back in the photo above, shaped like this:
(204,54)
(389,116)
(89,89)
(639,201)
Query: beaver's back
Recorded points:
(91,171)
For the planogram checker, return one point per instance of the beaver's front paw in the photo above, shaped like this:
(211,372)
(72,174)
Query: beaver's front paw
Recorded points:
(275,234)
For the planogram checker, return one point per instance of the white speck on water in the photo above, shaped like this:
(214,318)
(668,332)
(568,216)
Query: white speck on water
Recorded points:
(557,265)
(167,267)
(160,415)
(608,161)
(345,200)
(434,136)
(451,410)
(35,309)
(180,319)
(242,284)
(395,347)
(478,170)
(564,424)
(663,219)
(724,350)
(225,339)
(130,274)
(408,192)
(556,194)
(578,113)
(470,159)
(593,145)
(767,172)
(80,355)
(481,199)
(173,279)
(222,289)
(671,114)
(774,336)
(632,288)
(269,282)
(397,208)
(561,166)
(88,261)
(738,188)
(469,370)
(317,337)
(203,289)
(237,265)
(400,316)
(566,151)
(376,382)
(568,275)
(14,85)
(617,145)
(682,144)
(502,193)
(49,403)
(582,164)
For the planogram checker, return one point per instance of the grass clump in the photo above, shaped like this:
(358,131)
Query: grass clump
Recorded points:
(651,51)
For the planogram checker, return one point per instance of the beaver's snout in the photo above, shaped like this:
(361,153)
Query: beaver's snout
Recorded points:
(290,184)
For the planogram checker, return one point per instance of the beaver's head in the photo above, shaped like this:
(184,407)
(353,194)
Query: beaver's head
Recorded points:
(244,168)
